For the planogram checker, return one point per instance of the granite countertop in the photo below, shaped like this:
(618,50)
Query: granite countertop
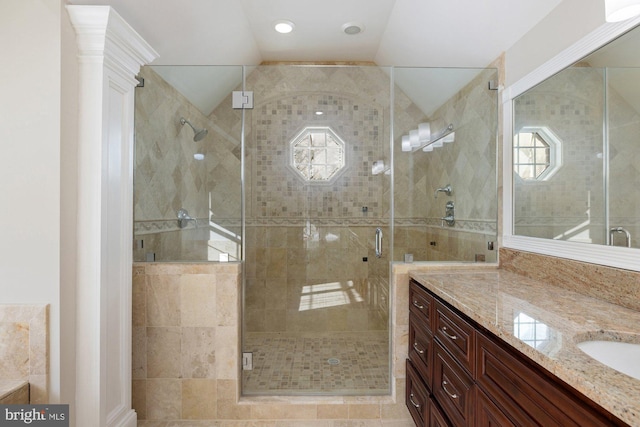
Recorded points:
(498,300)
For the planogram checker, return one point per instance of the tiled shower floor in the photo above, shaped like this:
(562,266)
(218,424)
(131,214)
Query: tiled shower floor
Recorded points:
(306,364)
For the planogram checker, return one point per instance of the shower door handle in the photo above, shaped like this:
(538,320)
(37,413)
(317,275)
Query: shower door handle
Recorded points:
(378,242)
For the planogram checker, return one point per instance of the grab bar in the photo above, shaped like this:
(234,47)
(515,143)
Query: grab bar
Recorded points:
(378,242)
(619,230)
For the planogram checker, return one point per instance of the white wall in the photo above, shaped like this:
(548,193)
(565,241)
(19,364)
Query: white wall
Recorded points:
(570,21)
(69,197)
(32,247)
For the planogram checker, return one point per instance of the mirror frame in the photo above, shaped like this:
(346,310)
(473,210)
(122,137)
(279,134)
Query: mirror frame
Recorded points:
(613,256)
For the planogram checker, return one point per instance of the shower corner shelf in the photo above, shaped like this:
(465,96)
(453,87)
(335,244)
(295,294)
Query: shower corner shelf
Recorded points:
(448,131)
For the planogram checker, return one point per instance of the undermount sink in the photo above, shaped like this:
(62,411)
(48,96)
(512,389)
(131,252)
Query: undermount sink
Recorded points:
(621,356)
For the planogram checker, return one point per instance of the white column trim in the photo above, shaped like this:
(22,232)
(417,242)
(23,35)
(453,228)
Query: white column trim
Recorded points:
(110,56)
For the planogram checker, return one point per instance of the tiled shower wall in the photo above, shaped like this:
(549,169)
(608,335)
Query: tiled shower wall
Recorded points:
(355,103)
(571,205)
(167,177)
(186,361)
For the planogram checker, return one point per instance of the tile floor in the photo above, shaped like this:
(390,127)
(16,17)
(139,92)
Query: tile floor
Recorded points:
(317,364)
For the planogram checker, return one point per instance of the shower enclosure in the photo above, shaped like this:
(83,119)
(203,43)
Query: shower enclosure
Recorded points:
(309,186)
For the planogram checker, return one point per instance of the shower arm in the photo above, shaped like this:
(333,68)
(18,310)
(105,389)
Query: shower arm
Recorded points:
(446,189)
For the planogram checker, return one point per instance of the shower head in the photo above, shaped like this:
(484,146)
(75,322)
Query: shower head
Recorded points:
(198,133)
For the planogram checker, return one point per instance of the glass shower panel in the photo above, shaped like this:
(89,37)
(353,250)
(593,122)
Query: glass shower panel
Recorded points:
(187,182)
(623,112)
(317,179)
(453,116)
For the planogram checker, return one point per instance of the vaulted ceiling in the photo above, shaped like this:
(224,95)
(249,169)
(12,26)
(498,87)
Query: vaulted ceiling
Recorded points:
(416,33)
(433,33)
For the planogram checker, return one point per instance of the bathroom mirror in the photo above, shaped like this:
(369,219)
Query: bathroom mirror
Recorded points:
(574,157)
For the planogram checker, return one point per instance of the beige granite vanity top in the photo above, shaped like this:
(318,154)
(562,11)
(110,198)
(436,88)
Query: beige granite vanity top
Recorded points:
(495,297)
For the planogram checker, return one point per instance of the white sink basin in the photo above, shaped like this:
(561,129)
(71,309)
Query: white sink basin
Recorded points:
(621,356)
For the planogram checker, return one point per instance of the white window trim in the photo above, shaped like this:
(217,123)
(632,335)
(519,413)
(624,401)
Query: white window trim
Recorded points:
(555,151)
(338,139)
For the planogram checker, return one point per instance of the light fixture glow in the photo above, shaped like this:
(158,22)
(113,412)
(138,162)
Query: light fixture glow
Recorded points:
(319,113)
(620,10)
(198,156)
(284,26)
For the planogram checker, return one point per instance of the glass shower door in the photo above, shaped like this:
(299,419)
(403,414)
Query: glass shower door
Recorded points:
(316,295)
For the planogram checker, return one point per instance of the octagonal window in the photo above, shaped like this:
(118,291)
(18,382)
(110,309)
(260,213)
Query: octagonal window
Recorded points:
(537,153)
(317,154)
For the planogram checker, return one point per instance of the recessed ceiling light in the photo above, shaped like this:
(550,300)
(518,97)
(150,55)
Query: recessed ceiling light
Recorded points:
(283,26)
(352,28)
(319,113)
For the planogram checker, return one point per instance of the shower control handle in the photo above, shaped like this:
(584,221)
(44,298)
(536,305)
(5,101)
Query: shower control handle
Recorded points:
(184,218)
(378,242)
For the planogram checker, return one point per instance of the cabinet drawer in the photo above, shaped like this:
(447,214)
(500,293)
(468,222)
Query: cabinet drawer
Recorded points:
(417,398)
(436,417)
(420,350)
(526,394)
(452,388)
(456,335)
(421,304)
(488,414)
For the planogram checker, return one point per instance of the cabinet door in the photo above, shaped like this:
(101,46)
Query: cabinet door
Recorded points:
(488,414)
(456,335)
(417,398)
(452,388)
(436,417)
(526,394)
(420,350)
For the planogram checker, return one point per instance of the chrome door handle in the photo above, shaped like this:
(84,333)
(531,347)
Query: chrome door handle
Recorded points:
(415,347)
(444,331)
(378,242)
(444,387)
(412,402)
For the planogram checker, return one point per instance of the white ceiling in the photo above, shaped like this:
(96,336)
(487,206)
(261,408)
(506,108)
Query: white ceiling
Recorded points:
(426,33)
(418,33)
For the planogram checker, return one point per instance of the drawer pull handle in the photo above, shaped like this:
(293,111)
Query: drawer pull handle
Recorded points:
(415,346)
(412,402)
(420,306)
(444,331)
(444,387)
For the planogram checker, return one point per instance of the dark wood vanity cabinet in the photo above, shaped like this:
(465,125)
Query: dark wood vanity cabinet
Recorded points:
(460,375)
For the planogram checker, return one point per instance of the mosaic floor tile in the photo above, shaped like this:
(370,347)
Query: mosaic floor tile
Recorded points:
(345,364)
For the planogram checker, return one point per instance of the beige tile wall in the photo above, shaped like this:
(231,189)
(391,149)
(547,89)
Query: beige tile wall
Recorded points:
(24,352)
(186,344)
